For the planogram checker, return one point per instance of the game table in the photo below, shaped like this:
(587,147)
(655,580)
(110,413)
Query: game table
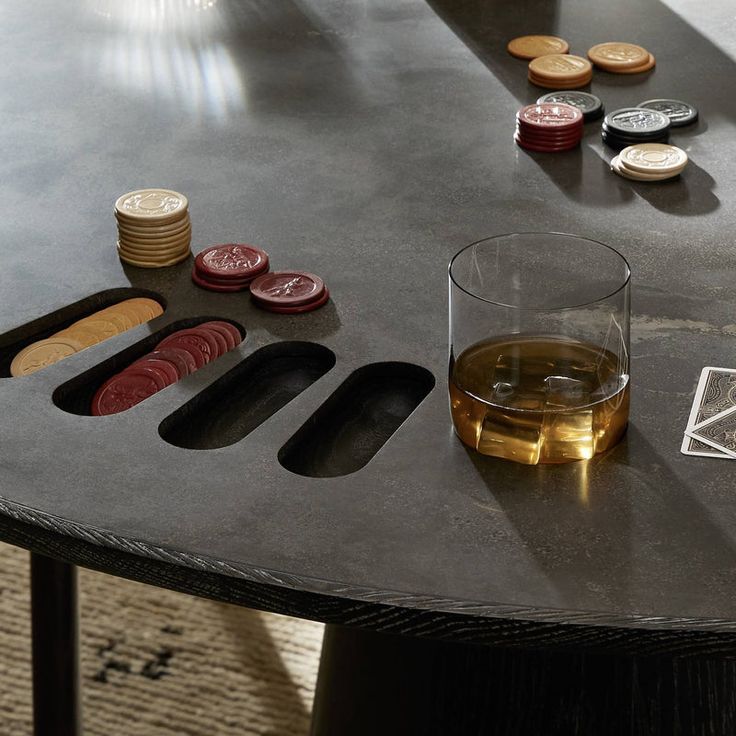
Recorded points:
(367,142)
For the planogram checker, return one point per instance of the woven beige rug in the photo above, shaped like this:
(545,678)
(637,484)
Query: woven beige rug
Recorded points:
(157,663)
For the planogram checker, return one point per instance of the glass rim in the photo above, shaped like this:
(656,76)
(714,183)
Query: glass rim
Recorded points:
(623,285)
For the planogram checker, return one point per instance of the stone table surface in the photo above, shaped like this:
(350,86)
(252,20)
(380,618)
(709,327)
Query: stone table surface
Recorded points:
(368,142)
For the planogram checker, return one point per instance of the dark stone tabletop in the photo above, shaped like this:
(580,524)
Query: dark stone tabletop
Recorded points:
(367,142)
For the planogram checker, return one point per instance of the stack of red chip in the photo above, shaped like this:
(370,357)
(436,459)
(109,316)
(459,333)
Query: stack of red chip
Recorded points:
(229,267)
(289,292)
(549,127)
(176,356)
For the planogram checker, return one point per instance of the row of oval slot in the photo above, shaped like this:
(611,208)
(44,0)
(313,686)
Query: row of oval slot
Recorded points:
(345,432)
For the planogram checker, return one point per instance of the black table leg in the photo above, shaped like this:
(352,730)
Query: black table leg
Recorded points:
(55,627)
(372,683)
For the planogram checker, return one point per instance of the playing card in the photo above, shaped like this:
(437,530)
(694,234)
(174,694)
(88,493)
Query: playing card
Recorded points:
(719,432)
(716,393)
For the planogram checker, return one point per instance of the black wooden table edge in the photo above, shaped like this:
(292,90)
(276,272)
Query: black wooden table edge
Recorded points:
(375,610)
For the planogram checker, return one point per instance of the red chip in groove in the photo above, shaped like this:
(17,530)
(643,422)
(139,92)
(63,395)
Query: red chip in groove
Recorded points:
(125,390)
(164,367)
(229,332)
(219,338)
(180,359)
(201,346)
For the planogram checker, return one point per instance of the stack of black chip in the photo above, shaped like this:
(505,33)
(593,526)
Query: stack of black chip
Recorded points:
(631,125)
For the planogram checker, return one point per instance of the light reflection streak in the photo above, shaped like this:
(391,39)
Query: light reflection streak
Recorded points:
(583,483)
(159,15)
(168,50)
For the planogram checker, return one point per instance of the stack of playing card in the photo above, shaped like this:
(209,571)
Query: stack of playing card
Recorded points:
(711,427)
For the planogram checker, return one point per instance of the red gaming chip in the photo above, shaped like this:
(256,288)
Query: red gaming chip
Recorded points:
(315,304)
(546,148)
(125,390)
(231,261)
(553,138)
(218,337)
(286,289)
(199,343)
(549,132)
(181,359)
(218,346)
(550,115)
(564,144)
(230,332)
(213,281)
(166,369)
(213,286)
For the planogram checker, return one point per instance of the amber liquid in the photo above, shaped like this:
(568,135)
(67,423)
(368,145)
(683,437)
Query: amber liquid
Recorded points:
(538,399)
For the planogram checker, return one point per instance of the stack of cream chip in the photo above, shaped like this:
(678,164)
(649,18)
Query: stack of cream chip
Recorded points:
(650,162)
(154,229)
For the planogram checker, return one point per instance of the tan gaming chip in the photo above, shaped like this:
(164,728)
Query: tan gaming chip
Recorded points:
(560,67)
(616,55)
(42,353)
(148,307)
(649,64)
(560,85)
(530,47)
(121,320)
(81,334)
(134,315)
(101,326)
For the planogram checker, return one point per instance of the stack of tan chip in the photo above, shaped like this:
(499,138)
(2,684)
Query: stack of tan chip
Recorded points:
(560,71)
(154,229)
(84,333)
(621,58)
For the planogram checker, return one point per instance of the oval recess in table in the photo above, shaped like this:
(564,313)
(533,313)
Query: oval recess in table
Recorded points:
(247,395)
(75,396)
(13,341)
(357,420)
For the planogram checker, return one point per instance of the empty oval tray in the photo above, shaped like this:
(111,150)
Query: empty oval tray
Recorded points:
(357,420)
